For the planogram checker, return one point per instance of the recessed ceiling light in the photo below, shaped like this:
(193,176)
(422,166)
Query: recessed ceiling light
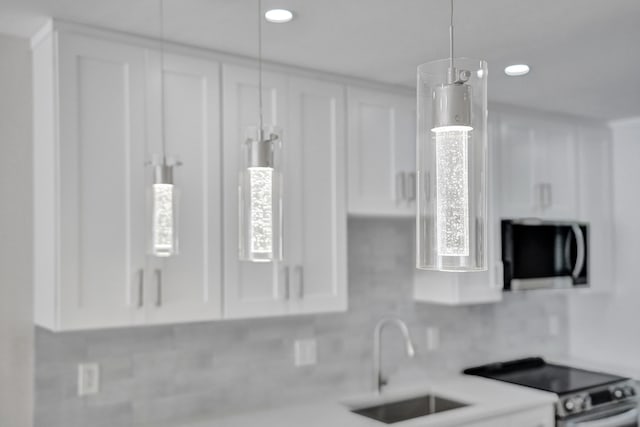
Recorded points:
(278,16)
(517,70)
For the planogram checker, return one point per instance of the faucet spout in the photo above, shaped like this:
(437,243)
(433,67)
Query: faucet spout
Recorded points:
(379,381)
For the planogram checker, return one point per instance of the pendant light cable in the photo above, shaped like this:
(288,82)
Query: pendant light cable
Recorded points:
(452,76)
(162,103)
(451,36)
(260,64)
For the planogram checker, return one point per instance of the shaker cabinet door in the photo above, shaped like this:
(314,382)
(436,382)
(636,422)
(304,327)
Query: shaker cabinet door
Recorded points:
(556,169)
(381,153)
(101,182)
(187,287)
(538,167)
(316,227)
(251,289)
(517,188)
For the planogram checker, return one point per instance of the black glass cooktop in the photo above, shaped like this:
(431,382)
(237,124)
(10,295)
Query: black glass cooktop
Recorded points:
(536,373)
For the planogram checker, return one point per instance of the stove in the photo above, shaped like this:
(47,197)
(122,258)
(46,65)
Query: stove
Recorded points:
(583,396)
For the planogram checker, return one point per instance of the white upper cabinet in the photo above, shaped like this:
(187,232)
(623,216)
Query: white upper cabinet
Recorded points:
(538,167)
(317,229)
(99,122)
(90,169)
(97,111)
(596,203)
(312,275)
(556,169)
(251,289)
(381,153)
(187,287)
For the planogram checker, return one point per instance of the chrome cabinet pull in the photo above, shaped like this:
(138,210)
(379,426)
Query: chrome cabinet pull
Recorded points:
(411,178)
(545,195)
(287,287)
(427,186)
(300,273)
(140,288)
(538,191)
(158,274)
(550,195)
(401,187)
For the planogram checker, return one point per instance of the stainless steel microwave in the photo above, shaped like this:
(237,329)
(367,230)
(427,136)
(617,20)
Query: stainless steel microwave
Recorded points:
(540,254)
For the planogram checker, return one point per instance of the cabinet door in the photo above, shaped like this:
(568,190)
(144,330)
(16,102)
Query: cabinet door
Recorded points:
(543,416)
(537,167)
(381,153)
(596,203)
(250,289)
(101,188)
(317,223)
(518,191)
(556,169)
(187,287)
(492,422)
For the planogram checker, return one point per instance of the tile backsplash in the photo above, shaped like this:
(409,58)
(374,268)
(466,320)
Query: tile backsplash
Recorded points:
(169,375)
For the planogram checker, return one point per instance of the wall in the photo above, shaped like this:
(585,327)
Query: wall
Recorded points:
(162,376)
(604,329)
(16,312)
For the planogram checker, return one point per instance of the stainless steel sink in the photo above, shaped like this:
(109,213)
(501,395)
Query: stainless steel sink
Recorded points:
(393,412)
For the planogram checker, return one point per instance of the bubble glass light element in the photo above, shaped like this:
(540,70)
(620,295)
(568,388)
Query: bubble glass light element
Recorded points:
(452,162)
(164,230)
(163,205)
(260,204)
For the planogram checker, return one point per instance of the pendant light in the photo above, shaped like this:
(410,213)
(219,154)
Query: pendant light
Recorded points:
(163,197)
(452,158)
(260,203)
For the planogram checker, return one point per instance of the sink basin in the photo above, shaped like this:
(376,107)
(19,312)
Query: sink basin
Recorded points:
(393,412)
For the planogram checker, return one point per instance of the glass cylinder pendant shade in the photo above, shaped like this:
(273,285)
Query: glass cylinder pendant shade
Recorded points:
(260,198)
(163,200)
(452,166)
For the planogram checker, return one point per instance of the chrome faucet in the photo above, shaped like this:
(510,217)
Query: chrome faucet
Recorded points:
(379,381)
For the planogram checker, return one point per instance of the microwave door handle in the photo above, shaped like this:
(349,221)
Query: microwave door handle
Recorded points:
(567,250)
(580,256)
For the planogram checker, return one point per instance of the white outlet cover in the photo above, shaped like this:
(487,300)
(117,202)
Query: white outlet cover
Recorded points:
(305,352)
(88,379)
(554,325)
(433,338)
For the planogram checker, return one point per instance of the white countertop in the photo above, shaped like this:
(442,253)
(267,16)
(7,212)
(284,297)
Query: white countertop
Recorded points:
(486,399)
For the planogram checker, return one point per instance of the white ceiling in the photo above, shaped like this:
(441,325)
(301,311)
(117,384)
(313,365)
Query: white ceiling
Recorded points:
(584,54)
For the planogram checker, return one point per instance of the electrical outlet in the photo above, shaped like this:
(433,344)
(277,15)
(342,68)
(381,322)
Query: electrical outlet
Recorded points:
(88,379)
(433,338)
(554,325)
(305,352)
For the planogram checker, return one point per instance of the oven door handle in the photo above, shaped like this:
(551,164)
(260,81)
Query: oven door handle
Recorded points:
(622,419)
(580,256)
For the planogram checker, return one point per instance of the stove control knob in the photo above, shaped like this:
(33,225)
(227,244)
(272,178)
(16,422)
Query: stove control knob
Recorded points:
(618,393)
(569,405)
(629,391)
